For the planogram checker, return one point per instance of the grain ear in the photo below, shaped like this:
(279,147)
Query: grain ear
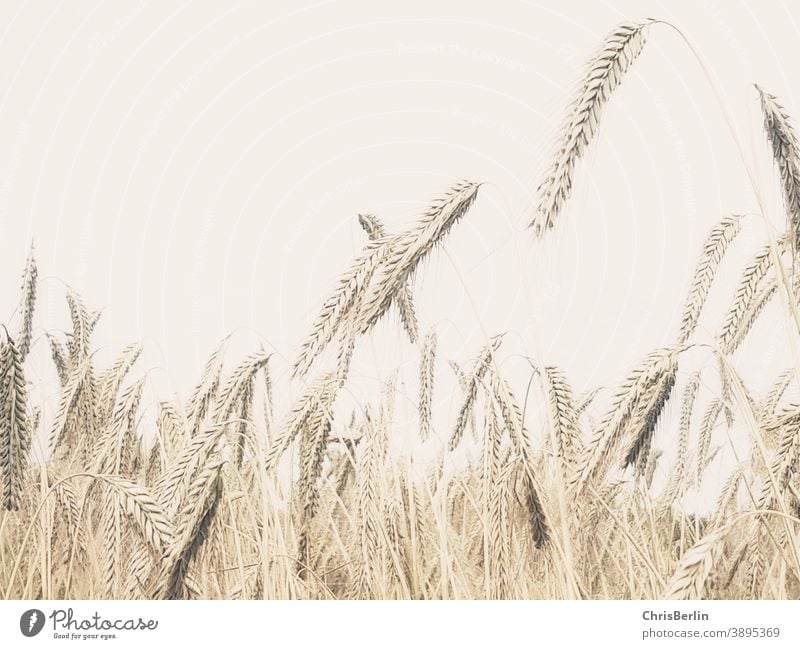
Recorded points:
(603,75)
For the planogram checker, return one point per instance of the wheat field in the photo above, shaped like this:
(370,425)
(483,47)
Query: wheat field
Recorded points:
(226,492)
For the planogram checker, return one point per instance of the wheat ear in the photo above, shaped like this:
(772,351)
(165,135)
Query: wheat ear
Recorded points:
(471,390)
(405,301)
(604,73)
(15,438)
(202,498)
(563,414)
(426,369)
(407,250)
(786,153)
(716,244)
(27,305)
(690,577)
(751,281)
(634,409)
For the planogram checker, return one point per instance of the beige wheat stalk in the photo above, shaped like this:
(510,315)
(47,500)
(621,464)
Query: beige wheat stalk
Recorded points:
(563,413)
(380,275)
(603,75)
(315,402)
(405,301)
(649,413)
(206,389)
(634,411)
(201,500)
(717,242)
(15,436)
(426,370)
(752,280)
(532,496)
(369,516)
(27,305)
(471,390)
(689,579)
(786,153)
(777,391)
(110,380)
(676,482)
(407,250)
(313,442)
(337,310)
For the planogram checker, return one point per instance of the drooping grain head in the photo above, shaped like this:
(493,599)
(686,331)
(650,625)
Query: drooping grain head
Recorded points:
(786,153)
(604,73)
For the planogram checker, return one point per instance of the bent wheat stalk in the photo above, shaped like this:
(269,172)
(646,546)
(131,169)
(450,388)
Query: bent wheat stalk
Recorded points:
(603,75)
(786,152)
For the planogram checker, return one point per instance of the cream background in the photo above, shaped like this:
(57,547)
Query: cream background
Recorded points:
(195,168)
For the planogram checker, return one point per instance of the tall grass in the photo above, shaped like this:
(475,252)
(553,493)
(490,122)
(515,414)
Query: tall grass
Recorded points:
(227,497)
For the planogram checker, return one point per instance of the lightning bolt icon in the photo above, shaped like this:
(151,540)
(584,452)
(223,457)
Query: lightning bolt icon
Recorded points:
(32,621)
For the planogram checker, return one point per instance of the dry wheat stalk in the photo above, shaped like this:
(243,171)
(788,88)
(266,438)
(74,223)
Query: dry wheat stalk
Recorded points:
(727,497)
(754,310)
(381,273)
(604,73)
(206,390)
(752,280)
(316,401)
(338,310)
(787,456)
(112,454)
(78,341)
(649,412)
(113,547)
(464,383)
(245,426)
(235,399)
(69,397)
(139,503)
(497,485)
(777,391)
(426,370)
(585,400)
(111,380)
(172,428)
(513,418)
(704,439)
(15,436)
(367,467)
(190,462)
(313,441)
(563,414)
(688,581)
(406,251)
(786,153)
(717,242)
(676,481)
(481,365)
(27,305)
(757,567)
(236,385)
(405,302)
(59,355)
(201,500)
(634,411)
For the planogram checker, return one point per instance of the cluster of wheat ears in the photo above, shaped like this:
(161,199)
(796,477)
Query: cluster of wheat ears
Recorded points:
(225,498)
